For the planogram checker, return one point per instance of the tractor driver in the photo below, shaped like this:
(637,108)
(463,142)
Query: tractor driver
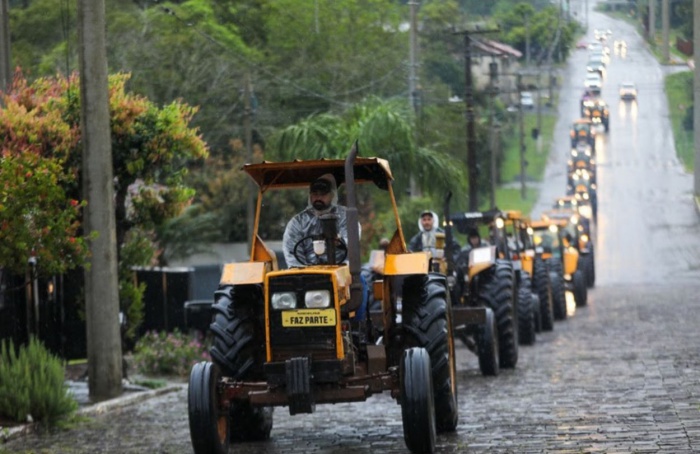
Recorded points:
(425,239)
(323,199)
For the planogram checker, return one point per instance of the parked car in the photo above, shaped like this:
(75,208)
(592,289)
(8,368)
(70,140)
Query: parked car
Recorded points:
(527,100)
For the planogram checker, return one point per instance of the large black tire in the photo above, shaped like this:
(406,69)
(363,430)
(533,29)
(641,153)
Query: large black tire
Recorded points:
(526,311)
(487,345)
(580,288)
(588,266)
(427,323)
(556,278)
(543,288)
(238,349)
(496,292)
(209,424)
(417,401)
(238,346)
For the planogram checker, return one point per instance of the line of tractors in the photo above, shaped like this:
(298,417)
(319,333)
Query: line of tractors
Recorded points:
(335,332)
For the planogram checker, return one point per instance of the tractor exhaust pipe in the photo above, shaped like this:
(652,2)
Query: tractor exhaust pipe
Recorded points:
(353,231)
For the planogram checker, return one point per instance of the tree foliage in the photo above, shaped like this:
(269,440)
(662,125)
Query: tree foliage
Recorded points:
(41,195)
(321,74)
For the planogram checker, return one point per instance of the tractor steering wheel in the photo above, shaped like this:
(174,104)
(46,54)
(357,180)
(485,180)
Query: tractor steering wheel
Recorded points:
(339,244)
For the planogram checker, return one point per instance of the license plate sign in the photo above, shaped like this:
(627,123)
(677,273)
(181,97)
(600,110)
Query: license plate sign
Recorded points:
(308,318)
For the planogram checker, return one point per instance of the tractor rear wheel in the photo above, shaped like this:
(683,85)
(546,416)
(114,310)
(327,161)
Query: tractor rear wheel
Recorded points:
(427,323)
(417,401)
(543,288)
(238,348)
(496,292)
(238,331)
(209,424)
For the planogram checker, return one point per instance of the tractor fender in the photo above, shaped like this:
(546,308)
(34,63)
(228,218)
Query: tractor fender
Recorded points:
(244,273)
(405,264)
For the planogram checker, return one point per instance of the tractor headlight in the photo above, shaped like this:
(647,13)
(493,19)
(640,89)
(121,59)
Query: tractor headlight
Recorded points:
(584,238)
(316,299)
(586,211)
(284,300)
(500,223)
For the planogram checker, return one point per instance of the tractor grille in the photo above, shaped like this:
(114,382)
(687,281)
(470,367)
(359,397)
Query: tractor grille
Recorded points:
(316,341)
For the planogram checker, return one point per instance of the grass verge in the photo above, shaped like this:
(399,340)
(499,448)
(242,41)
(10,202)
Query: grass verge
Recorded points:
(680,99)
(536,155)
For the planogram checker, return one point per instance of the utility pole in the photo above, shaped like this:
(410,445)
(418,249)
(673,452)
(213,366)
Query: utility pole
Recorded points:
(5,57)
(527,40)
(413,55)
(652,22)
(664,31)
(101,284)
(413,77)
(472,165)
(493,136)
(521,130)
(696,94)
(250,201)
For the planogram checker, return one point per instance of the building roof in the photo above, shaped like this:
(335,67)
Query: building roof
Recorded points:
(495,48)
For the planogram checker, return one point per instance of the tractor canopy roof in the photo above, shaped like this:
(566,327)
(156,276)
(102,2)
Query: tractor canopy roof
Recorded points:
(301,173)
(464,222)
(563,214)
(544,224)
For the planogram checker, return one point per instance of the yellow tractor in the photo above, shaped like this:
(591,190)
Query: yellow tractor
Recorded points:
(557,235)
(535,270)
(486,280)
(301,337)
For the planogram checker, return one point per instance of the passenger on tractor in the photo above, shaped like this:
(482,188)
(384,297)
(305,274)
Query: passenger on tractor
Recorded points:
(323,200)
(425,239)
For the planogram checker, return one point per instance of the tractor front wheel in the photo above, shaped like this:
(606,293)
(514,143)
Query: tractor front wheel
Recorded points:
(417,401)
(487,345)
(209,423)
(580,289)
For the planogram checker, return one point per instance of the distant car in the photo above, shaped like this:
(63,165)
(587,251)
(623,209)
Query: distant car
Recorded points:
(527,100)
(596,66)
(628,91)
(597,47)
(582,45)
(599,55)
(593,80)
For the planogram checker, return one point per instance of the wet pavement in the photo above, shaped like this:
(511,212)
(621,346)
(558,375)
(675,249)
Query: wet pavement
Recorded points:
(620,375)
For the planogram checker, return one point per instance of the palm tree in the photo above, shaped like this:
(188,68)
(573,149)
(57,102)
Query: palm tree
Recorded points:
(384,129)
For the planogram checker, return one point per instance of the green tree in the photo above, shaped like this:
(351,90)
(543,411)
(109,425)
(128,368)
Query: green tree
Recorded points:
(383,129)
(40,200)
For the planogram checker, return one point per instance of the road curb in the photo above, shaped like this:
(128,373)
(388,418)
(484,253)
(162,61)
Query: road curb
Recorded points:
(10,433)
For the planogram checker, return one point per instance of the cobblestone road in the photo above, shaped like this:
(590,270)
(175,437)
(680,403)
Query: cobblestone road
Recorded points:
(621,375)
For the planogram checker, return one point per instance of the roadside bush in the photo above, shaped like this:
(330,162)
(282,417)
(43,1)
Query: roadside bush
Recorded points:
(168,353)
(32,384)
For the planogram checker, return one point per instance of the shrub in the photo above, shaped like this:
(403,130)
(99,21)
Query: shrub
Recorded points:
(32,384)
(168,353)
